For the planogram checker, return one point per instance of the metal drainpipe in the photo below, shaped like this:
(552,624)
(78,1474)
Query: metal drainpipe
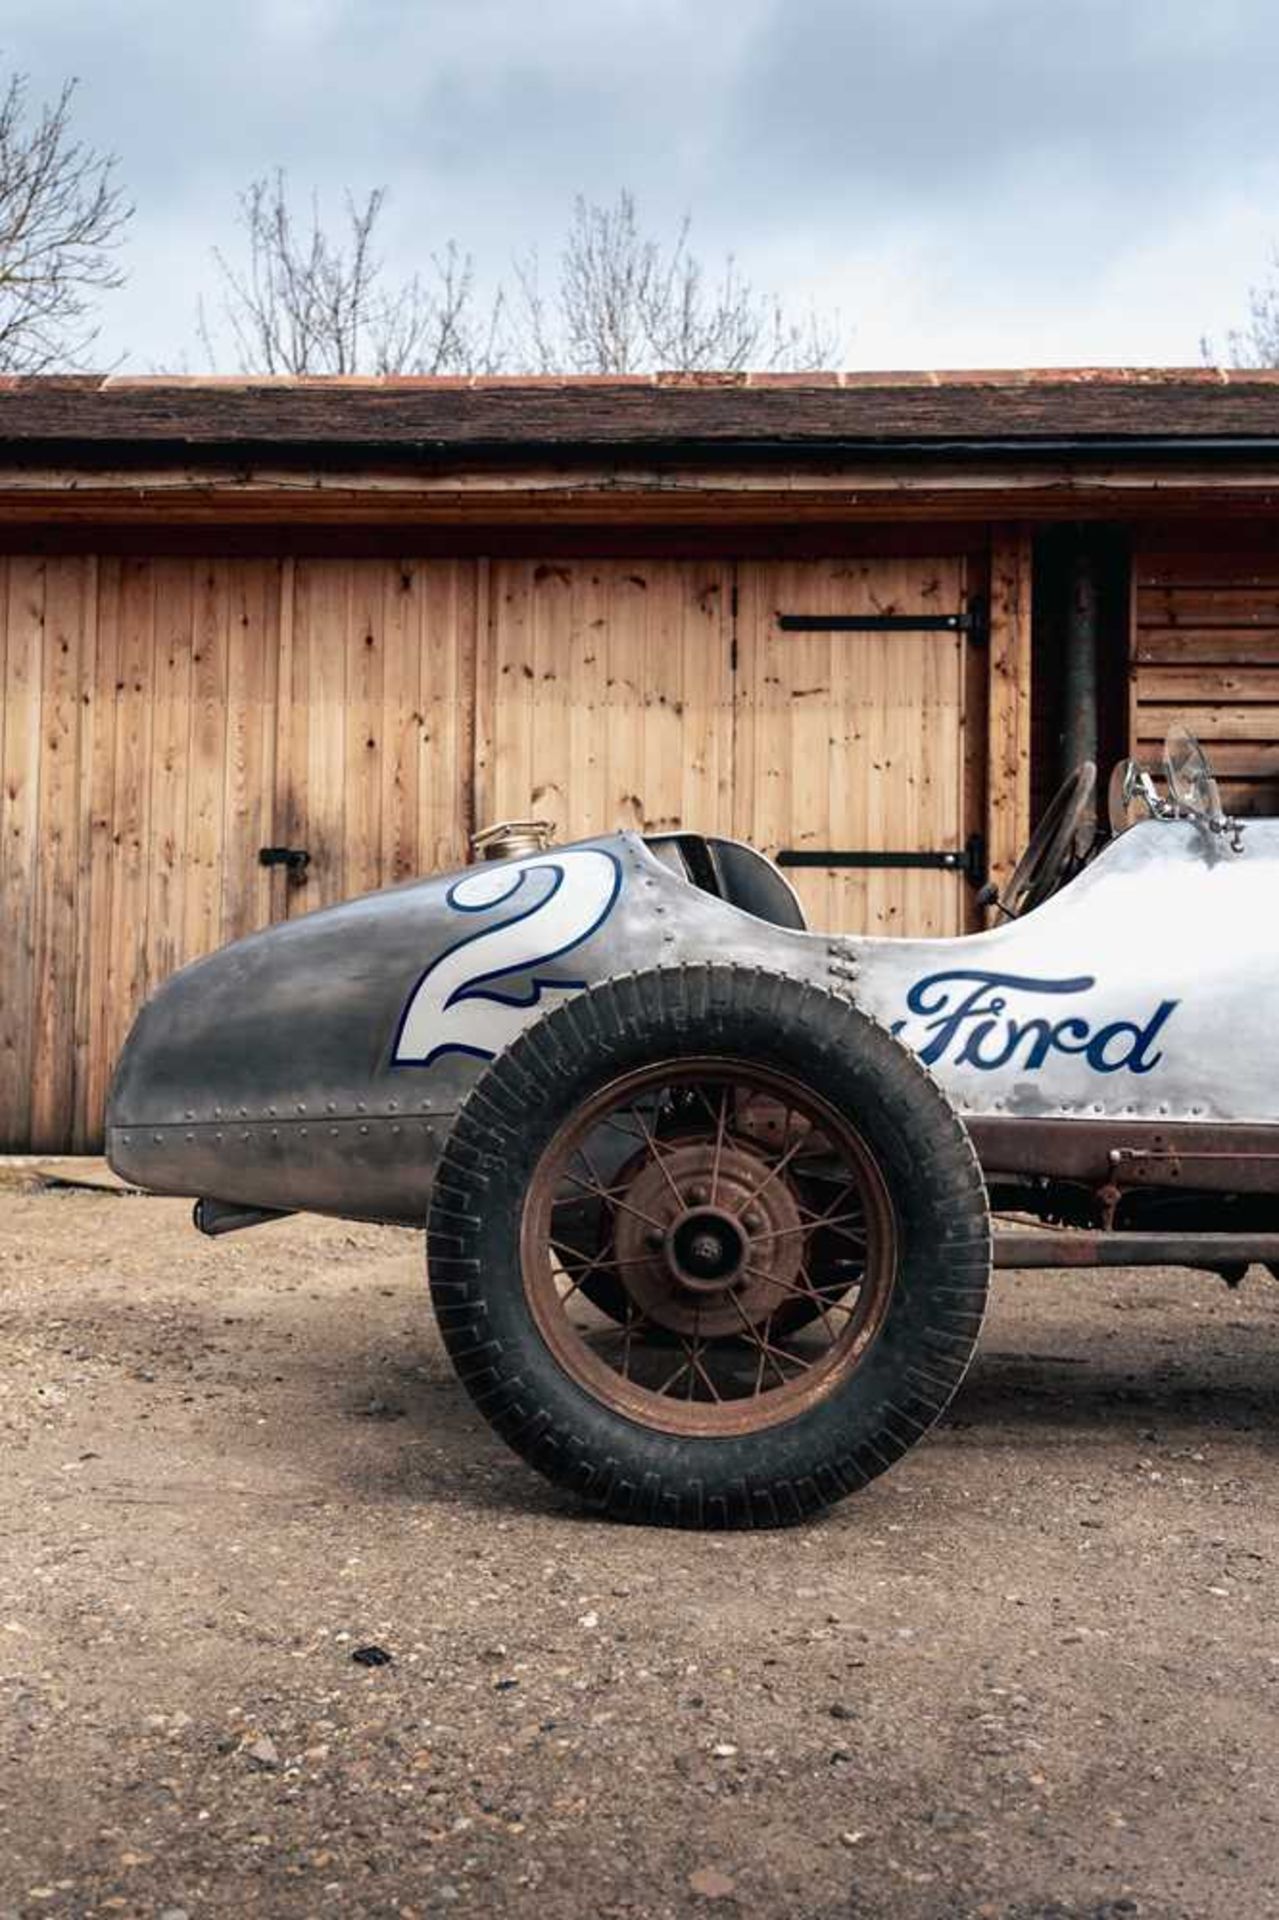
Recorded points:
(1079,730)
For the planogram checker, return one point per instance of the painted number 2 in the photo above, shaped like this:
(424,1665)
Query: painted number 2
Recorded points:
(465,1002)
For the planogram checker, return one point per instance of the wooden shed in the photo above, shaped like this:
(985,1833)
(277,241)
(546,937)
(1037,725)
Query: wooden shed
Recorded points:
(265,645)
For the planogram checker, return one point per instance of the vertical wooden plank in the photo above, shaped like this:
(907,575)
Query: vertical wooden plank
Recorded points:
(847,788)
(950,910)
(238,878)
(293,822)
(936,904)
(553,633)
(449,706)
(517,593)
(206,761)
(667,744)
(581,689)
(326,612)
(85,1121)
(807,743)
(403,591)
(696,627)
(1134,670)
(284,826)
(974,698)
(128,971)
(171,706)
(466,583)
(104,700)
(274,610)
(614,625)
(248,796)
(58,812)
(761,807)
(19,840)
(747,640)
(869,664)
(477,773)
(950,795)
(364,744)
(1008,706)
(917,709)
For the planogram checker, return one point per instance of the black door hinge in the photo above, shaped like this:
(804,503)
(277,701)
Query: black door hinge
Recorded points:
(972,622)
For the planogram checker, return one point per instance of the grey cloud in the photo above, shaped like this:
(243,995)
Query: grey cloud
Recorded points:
(884,108)
(1013,149)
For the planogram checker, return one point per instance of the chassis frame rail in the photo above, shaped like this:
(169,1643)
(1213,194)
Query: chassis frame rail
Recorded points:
(1084,1247)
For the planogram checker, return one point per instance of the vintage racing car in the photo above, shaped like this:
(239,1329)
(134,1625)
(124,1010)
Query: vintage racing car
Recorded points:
(709,1196)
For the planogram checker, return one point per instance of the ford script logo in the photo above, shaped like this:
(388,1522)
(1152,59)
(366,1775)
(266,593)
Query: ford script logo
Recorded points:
(989,1020)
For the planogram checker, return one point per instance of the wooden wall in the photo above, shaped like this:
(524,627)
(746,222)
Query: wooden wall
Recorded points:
(166,718)
(1205,652)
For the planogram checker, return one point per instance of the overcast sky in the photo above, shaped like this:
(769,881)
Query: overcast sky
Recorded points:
(970,182)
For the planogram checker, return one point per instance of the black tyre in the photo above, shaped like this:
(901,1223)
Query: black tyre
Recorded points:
(737,1128)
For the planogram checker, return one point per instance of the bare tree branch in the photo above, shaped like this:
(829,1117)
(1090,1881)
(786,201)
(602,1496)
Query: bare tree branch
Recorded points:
(625,304)
(62,216)
(308,302)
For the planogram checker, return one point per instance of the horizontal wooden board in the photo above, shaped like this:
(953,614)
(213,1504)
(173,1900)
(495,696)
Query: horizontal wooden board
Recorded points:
(1231,683)
(1231,759)
(1235,644)
(1196,606)
(46,506)
(1194,566)
(1210,722)
(1205,654)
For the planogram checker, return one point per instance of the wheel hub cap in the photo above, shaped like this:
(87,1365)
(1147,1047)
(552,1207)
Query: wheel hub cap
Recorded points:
(705,1250)
(715,1240)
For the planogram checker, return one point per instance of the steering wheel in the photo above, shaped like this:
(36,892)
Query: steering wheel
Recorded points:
(1043,866)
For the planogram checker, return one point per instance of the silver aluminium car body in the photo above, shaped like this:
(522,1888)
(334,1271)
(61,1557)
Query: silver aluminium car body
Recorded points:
(320,1064)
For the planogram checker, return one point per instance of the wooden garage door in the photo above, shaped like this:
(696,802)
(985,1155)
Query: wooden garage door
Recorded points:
(850,740)
(164,721)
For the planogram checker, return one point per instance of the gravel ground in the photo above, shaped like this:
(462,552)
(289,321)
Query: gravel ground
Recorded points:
(1033,1672)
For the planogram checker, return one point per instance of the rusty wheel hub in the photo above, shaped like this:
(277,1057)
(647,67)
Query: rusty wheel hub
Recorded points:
(695,1297)
(710,1241)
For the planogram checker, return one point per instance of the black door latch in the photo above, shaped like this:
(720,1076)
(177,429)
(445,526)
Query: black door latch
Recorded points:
(296,859)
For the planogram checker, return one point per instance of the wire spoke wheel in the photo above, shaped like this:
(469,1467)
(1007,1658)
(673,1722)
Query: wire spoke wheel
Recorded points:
(708,1247)
(705,1298)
